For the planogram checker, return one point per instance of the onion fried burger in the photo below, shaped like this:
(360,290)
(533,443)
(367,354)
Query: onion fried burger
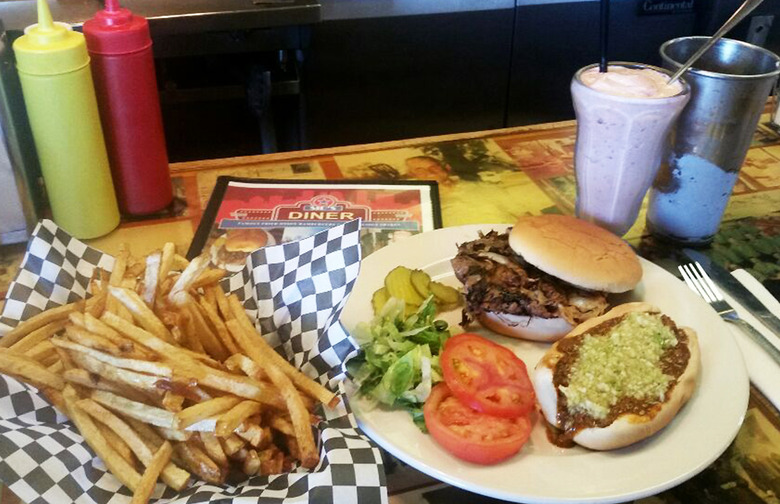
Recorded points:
(545,276)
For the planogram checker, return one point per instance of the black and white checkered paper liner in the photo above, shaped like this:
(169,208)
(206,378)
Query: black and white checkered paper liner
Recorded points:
(295,291)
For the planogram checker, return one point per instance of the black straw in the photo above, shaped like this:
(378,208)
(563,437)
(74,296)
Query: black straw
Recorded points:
(604,34)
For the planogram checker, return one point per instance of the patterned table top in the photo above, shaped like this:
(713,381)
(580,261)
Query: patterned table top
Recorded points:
(494,177)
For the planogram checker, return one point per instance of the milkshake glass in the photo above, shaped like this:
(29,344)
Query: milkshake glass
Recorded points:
(623,123)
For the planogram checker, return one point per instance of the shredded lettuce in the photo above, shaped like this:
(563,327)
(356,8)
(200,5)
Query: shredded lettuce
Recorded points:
(398,362)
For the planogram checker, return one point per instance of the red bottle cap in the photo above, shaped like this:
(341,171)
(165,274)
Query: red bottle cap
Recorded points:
(115,30)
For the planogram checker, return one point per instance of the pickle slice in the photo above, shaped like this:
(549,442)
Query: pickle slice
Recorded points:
(421,282)
(379,299)
(444,293)
(399,285)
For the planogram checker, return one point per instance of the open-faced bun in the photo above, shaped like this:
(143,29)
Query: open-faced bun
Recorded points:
(628,428)
(577,252)
(525,327)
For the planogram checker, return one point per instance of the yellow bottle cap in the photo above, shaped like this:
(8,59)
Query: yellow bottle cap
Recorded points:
(49,47)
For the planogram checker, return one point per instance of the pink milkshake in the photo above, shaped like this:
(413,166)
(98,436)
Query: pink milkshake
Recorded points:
(623,120)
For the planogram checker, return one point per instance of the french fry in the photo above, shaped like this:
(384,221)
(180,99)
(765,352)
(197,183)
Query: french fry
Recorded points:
(97,303)
(269,355)
(56,368)
(194,269)
(298,412)
(222,302)
(180,263)
(162,294)
(129,283)
(120,265)
(140,381)
(207,278)
(29,370)
(242,386)
(172,354)
(137,410)
(67,362)
(282,424)
(271,461)
(41,351)
(37,336)
(118,466)
(142,366)
(240,362)
(255,435)
(198,462)
(191,339)
(49,360)
(172,401)
(134,270)
(38,321)
(201,411)
(210,342)
(209,298)
(166,262)
(142,313)
(114,306)
(174,434)
(117,443)
(251,463)
(86,379)
(55,397)
(219,326)
(149,478)
(96,326)
(88,339)
(151,275)
(151,438)
(241,454)
(232,418)
(77,318)
(140,445)
(214,449)
(231,444)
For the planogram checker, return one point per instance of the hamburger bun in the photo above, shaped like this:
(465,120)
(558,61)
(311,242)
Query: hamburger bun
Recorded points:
(577,252)
(525,327)
(628,427)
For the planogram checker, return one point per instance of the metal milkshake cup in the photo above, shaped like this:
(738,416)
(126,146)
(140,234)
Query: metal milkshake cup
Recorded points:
(730,84)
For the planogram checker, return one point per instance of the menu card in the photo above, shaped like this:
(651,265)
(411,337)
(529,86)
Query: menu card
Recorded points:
(245,214)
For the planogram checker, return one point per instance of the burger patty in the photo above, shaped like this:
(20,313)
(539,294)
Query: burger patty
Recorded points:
(496,279)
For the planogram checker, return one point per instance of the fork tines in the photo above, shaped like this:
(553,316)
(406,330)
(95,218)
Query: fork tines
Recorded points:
(700,282)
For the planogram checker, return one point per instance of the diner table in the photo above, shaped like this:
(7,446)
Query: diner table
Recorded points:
(494,177)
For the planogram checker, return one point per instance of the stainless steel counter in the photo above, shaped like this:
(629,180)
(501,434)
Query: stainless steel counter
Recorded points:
(167,17)
(362,9)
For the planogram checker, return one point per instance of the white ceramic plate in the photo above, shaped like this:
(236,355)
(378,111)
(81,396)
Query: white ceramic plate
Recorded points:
(542,472)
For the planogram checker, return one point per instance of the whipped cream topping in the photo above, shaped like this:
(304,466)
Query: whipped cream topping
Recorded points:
(630,82)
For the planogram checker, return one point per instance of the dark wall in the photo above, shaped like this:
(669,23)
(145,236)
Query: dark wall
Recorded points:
(373,80)
(553,41)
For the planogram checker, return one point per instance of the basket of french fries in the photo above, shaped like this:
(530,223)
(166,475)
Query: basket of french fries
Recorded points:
(129,379)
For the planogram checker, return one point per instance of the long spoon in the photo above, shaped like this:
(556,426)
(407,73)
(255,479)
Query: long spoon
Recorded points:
(746,8)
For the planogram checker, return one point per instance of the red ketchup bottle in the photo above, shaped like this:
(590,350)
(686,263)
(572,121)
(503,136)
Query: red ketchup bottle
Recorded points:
(126,86)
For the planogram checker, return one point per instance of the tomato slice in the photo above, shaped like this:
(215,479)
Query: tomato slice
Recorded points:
(487,376)
(470,435)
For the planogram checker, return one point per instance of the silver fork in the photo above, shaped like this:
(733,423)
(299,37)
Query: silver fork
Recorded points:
(701,283)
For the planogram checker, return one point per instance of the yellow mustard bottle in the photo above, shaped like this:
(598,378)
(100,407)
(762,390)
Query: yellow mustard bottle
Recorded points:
(53,66)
